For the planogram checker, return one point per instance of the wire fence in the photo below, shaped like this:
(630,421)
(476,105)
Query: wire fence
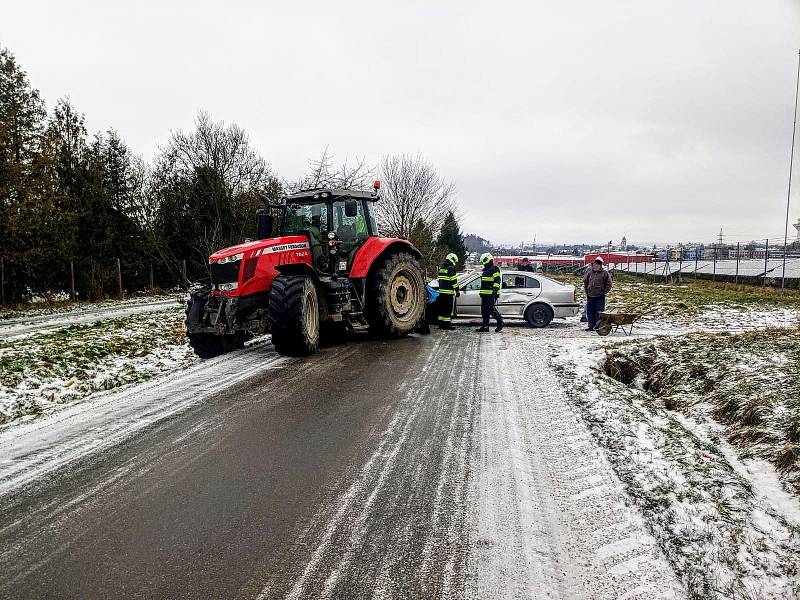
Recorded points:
(93,280)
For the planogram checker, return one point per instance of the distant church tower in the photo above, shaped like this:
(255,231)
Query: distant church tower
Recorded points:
(624,243)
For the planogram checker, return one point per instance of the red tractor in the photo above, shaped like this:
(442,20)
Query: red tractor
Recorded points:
(318,265)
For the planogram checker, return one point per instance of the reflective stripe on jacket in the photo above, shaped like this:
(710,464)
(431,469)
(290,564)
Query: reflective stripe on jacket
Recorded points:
(447,279)
(490,280)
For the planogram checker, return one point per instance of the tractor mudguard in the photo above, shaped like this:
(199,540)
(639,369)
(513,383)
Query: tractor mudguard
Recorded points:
(376,247)
(297,269)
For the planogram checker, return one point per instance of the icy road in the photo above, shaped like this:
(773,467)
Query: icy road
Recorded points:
(446,466)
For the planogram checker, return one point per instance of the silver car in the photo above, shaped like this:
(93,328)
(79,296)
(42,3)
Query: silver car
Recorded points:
(524,295)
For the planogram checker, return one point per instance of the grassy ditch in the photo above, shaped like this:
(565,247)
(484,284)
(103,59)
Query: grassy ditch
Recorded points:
(723,538)
(39,371)
(750,383)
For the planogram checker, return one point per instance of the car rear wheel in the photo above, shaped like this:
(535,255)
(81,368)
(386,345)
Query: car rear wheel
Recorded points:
(538,315)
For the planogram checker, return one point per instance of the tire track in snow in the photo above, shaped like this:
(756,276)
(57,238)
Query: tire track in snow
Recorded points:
(549,517)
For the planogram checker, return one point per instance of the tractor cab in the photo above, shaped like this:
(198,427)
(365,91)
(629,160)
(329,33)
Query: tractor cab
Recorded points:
(336,222)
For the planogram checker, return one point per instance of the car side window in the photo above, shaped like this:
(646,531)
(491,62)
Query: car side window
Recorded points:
(514,281)
(532,282)
(473,285)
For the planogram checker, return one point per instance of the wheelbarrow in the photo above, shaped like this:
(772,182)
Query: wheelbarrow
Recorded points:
(614,320)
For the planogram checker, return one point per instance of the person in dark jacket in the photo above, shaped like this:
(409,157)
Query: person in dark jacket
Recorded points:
(596,283)
(448,290)
(490,290)
(525,265)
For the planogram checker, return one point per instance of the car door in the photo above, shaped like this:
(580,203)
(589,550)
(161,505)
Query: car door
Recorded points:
(516,293)
(468,304)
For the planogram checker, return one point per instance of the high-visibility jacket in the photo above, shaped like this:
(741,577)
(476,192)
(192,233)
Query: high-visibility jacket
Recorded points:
(447,278)
(490,280)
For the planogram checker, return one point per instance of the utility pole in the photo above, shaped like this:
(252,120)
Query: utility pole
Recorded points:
(791,164)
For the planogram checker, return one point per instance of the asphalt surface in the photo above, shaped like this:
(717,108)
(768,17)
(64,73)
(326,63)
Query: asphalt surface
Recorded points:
(426,467)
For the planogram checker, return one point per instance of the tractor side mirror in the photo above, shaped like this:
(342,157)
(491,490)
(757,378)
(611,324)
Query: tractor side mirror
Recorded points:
(264,222)
(351,208)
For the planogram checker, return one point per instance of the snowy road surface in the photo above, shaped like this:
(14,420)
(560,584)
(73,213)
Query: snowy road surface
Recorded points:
(446,466)
(45,323)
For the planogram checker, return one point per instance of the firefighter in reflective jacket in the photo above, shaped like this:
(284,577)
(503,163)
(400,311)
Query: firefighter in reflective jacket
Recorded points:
(489,292)
(448,290)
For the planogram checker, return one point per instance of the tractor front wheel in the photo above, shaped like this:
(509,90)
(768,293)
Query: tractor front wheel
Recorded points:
(294,315)
(396,301)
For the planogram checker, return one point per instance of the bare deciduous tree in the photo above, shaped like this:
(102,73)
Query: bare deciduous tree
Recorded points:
(412,191)
(351,174)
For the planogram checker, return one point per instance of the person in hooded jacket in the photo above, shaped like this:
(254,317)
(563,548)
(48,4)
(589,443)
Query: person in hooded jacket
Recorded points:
(491,280)
(596,283)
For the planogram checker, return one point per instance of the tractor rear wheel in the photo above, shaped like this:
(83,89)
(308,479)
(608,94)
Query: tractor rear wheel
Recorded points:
(294,315)
(396,301)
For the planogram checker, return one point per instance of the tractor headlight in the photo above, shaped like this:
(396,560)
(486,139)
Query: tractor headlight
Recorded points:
(228,287)
(230,259)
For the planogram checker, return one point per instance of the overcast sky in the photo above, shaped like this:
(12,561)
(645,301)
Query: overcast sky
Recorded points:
(568,121)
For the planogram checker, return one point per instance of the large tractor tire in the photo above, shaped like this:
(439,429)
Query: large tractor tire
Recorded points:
(208,345)
(294,315)
(396,296)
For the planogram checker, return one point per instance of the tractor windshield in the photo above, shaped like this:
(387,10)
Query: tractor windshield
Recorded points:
(300,218)
(310,220)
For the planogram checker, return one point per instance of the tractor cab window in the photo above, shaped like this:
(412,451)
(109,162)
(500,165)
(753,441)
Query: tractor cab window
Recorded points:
(310,220)
(351,230)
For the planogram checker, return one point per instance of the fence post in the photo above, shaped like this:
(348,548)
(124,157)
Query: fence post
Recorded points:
(151,277)
(183,271)
(2,281)
(72,280)
(766,264)
(680,265)
(714,272)
(119,279)
(738,254)
(696,260)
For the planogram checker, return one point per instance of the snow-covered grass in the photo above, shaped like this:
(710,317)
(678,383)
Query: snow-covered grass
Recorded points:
(726,535)
(699,414)
(748,382)
(40,372)
(61,304)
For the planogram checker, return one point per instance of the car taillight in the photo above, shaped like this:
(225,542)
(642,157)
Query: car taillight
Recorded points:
(249,269)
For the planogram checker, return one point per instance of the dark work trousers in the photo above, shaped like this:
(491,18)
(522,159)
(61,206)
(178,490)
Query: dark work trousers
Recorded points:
(593,307)
(488,309)
(445,309)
